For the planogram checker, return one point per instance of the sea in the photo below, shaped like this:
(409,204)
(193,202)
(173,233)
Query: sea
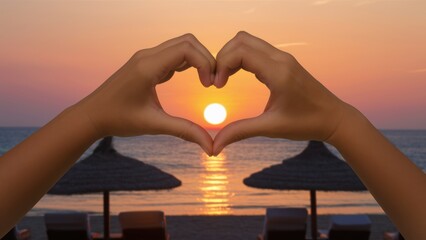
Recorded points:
(214,185)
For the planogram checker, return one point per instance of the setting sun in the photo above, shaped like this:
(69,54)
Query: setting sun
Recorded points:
(215,113)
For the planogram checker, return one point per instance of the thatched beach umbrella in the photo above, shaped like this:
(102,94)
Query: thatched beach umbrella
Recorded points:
(107,170)
(316,168)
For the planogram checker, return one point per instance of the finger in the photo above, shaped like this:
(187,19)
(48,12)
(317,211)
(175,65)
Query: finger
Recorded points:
(244,57)
(245,40)
(173,57)
(185,130)
(240,130)
(254,42)
(167,77)
(183,67)
(188,38)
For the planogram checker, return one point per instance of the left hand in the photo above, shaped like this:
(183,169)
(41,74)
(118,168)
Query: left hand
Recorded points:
(127,103)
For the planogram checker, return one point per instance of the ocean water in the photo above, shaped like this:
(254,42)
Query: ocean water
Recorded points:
(213,186)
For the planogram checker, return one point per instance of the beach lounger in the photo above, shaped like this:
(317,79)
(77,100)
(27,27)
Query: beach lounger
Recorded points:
(143,225)
(393,236)
(348,227)
(284,223)
(17,234)
(68,226)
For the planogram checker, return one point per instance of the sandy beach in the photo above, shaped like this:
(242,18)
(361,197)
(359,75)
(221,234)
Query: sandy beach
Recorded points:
(207,227)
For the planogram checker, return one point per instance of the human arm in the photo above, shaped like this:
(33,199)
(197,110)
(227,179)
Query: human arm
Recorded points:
(396,183)
(124,105)
(301,108)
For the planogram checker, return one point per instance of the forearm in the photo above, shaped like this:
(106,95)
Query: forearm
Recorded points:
(31,168)
(125,105)
(394,181)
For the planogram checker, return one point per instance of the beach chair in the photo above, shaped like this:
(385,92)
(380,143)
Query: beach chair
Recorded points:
(347,227)
(143,225)
(284,223)
(393,236)
(68,226)
(17,234)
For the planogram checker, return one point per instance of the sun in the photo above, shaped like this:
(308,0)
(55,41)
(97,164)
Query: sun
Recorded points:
(215,113)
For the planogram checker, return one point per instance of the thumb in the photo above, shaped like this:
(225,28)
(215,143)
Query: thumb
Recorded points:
(239,130)
(186,130)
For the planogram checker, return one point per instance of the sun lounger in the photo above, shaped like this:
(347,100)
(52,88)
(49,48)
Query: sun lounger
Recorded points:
(348,227)
(284,223)
(143,225)
(68,226)
(17,234)
(392,236)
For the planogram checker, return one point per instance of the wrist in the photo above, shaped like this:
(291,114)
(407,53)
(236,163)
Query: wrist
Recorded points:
(351,122)
(80,115)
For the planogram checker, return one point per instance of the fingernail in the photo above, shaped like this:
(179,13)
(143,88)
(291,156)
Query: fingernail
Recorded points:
(217,151)
(207,151)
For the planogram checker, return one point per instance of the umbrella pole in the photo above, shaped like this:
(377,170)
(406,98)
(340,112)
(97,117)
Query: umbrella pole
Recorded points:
(106,215)
(314,229)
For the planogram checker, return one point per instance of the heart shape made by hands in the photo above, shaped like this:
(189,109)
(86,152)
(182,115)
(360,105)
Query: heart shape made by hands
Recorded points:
(298,108)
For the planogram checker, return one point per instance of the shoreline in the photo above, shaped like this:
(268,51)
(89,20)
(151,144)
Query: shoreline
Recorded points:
(224,227)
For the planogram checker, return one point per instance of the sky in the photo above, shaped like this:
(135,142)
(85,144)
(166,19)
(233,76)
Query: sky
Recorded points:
(370,53)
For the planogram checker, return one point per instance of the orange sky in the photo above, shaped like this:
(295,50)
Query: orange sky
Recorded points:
(370,53)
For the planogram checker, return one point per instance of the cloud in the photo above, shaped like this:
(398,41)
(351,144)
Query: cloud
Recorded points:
(250,11)
(321,2)
(291,44)
(420,70)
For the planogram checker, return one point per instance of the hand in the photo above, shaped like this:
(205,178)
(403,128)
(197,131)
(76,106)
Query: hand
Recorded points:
(127,103)
(298,108)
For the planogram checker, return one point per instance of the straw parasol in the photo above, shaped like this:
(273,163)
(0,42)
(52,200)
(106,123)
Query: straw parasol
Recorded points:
(315,168)
(107,170)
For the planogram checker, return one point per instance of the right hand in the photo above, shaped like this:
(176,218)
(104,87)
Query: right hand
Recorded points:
(299,107)
(127,103)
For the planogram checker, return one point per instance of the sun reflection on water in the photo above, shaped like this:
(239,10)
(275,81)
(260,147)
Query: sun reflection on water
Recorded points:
(214,185)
